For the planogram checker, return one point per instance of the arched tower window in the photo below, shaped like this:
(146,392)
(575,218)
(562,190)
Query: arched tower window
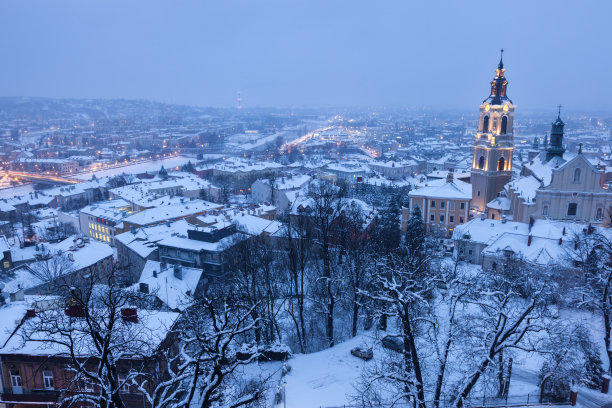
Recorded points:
(485,124)
(501,164)
(504,125)
(481,162)
(577,175)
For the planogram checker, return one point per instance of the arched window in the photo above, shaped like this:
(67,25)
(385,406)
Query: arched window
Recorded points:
(501,165)
(485,124)
(577,175)
(481,162)
(599,214)
(504,125)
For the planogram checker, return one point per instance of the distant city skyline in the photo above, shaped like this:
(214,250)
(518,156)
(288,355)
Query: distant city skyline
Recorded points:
(438,55)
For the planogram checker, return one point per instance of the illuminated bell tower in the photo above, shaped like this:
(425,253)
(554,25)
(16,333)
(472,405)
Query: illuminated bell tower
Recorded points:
(494,143)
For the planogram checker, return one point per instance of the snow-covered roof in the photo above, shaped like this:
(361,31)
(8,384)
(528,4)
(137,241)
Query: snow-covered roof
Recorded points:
(253,225)
(143,241)
(170,212)
(525,187)
(175,292)
(499,203)
(454,190)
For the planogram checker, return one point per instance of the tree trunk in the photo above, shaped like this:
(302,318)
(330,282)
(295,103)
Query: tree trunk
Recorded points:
(416,365)
(500,375)
(355,317)
(607,322)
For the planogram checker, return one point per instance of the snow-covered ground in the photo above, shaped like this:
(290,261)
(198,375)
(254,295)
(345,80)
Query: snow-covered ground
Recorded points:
(328,378)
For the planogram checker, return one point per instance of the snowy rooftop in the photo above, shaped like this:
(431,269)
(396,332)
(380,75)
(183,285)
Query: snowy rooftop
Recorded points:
(455,190)
(173,291)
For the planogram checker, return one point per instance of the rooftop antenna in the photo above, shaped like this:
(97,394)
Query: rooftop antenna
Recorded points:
(239,99)
(560,106)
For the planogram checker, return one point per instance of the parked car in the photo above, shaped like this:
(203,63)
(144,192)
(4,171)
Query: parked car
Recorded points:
(363,353)
(395,343)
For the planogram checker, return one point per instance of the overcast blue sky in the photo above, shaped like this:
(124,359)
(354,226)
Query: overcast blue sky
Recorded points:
(437,54)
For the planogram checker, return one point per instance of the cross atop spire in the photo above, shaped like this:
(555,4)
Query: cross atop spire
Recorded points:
(501,59)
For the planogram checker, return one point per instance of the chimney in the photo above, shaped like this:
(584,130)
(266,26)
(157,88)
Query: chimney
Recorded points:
(144,287)
(563,233)
(154,273)
(132,229)
(30,313)
(178,272)
(504,219)
(450,176)
(529,240)
(483,216)
(129,314)
(560,240)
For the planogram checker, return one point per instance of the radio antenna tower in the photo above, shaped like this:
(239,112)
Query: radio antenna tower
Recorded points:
(239,99)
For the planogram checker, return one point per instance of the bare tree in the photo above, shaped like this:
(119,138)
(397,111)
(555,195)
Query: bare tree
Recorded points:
(95,335)
(504,319)
(593,257)
(202,372)
(298,260)
(326,208)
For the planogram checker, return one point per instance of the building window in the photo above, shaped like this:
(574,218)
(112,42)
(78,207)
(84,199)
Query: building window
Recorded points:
(441,217)
(15,378)
(462,206)
(504,125)
(433,204)
(572,209)
(478,194)
(125,387)
(442,204)
(451,219)
(481,162)
(432,217)
(48,380)
(545,210)
(501,165)
(577,175)
(485,124)
(470,252)
(599,213)
(460,220)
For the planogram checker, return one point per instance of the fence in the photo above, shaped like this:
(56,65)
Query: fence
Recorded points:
(512,401)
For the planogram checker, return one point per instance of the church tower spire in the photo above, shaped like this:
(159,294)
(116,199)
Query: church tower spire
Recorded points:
(555,147)
(494,142)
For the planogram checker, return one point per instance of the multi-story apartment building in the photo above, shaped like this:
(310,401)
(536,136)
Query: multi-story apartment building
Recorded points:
(443,203)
